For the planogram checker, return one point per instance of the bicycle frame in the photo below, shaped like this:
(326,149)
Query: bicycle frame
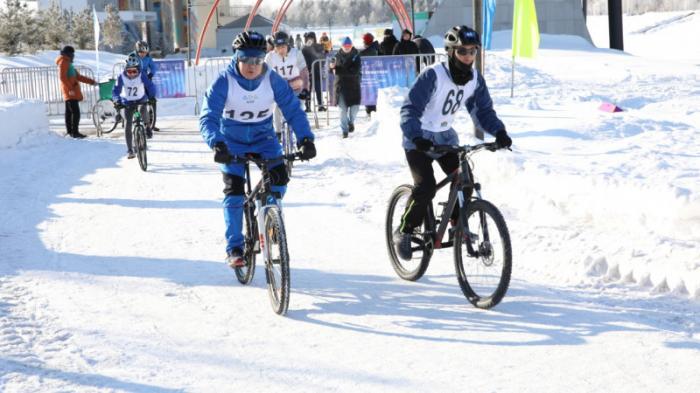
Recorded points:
(460,180)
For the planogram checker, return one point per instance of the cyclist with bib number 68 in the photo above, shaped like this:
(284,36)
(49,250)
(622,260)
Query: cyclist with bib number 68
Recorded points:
(426,120)
(133,89)
(236,119)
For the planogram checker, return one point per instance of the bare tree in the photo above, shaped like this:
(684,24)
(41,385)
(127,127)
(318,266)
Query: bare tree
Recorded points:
(112,28)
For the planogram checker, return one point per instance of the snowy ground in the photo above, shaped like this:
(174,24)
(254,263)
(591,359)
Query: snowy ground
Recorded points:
(112,279)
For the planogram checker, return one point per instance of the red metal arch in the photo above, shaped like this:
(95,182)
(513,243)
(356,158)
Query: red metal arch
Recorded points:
(396,6)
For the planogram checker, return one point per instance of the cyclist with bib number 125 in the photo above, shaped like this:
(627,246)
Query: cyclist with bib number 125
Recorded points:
(426,120)
(236,119)
(133,89)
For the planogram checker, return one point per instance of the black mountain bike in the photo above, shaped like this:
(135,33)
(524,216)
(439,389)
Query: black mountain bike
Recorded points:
(479,237)
(138,138)
(262,209)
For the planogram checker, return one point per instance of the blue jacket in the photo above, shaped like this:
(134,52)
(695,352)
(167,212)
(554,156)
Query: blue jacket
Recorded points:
(148,66)
(479,106)
(216,128)
(117,89)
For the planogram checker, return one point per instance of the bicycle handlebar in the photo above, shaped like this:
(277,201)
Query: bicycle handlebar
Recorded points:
(250,158)
(490,146)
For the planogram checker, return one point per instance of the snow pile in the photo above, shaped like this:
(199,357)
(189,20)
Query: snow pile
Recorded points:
(22,121)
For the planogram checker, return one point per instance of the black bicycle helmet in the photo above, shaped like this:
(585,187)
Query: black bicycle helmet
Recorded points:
(249,40)
(461,35)
(141,46)
(280,38)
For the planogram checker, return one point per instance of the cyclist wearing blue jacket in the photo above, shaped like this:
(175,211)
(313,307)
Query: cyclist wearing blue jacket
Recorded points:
(426,120)
(133,89)
(148,66)
(236,119)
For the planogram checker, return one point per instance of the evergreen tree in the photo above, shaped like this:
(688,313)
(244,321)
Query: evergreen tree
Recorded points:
(83,29)
(112,28)
(15,22)
(54,27)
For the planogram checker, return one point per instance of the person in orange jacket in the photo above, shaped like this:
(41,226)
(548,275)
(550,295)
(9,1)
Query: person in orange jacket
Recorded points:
(70,87)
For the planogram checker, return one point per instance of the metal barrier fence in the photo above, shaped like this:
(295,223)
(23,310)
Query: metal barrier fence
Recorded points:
(43,84)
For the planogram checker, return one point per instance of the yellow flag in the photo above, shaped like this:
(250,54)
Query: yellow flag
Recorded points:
(526,33)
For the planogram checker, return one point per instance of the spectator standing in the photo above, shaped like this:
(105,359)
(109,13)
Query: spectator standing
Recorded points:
(347,66)
(371,49)
(298,43)
(326,42)
(313,51)
(70,80)
(406,46)
(424,47)
(386,48)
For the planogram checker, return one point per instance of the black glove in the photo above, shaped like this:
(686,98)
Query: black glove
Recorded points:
(307,149)
(118,105)
(304,95)
(221,153)
(422,144)
(150,75)
(152,100)
(503,140)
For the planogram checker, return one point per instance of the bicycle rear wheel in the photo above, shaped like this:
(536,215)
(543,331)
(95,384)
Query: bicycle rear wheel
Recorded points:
(245,273)
(483,255)
(277,265)
(140,146)
(421,244)
(104,117)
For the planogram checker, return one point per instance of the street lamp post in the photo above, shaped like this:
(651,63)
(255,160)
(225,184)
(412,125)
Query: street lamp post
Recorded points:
(413,18)
(189,33)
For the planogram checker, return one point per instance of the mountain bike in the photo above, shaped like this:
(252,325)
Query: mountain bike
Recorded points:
(138,137)
(479,236)
(263,209)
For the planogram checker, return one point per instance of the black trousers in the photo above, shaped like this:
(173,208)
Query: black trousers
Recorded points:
(424,185)
(129,117)
(72,117)
(316,87)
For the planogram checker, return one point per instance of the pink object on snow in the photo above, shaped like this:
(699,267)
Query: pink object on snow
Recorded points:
(608,107)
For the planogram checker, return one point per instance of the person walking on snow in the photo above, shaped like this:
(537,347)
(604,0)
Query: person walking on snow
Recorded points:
(236,119)
(347,65)
(70,80)
(427,115)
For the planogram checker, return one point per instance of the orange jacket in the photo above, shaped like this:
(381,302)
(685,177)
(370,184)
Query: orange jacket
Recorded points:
(70,79)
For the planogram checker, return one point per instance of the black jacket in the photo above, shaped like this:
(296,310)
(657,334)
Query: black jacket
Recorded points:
(371,50)
(312,53)
(347,76)
(424,46)
(386,48)
(406,47)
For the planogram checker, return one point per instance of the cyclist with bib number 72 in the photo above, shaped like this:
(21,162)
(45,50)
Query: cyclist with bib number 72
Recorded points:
(426,120)
(133,89)
(236,119)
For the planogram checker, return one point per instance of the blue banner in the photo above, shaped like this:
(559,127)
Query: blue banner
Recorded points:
(489,12)
(170,79)
(385,71)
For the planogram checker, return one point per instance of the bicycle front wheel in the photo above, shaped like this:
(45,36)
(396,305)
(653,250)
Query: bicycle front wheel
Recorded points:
(245,273)
(104,117)
(413,269)
(277,263)
(483,255)
(140,145)
(151,116)
(288,146)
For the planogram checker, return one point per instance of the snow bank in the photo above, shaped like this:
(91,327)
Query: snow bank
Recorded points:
(22,121)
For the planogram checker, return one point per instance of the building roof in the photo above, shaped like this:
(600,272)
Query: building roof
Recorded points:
(258,21)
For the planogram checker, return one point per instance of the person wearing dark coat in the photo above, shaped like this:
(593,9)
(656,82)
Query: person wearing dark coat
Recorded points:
(424,47)
(386,48)
(371,49)
(313,51)
(406,46)
(347,66)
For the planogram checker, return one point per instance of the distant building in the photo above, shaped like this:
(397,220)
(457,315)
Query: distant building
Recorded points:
(226,33)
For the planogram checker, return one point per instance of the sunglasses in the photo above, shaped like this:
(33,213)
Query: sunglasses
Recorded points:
(132,72)
(462,51)
(251,60)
